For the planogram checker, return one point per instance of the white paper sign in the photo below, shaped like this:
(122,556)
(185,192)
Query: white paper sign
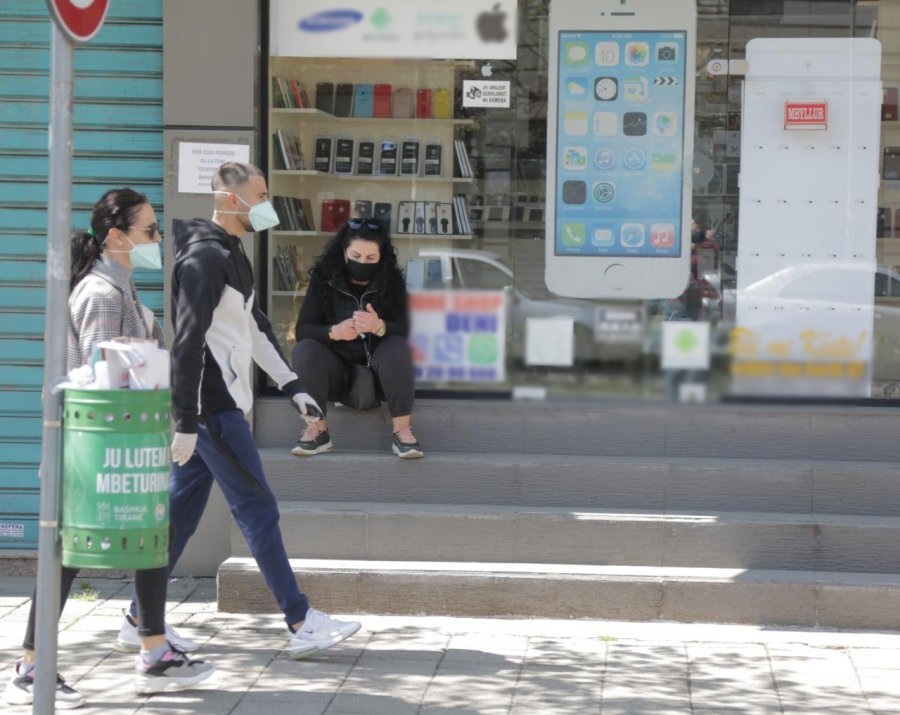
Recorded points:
(198,162)
(470,29)
(482,93)
(550,341)
(685,345)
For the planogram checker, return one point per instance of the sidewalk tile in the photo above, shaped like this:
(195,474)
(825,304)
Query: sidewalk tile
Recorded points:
(644,705)
(371,704)
(284,704)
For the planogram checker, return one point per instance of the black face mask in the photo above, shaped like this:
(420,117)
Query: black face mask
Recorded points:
(362,272)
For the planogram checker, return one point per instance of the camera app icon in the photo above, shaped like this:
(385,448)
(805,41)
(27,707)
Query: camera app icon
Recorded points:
(666,52)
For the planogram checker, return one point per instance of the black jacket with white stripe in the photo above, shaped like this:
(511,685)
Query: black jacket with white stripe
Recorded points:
(219,328)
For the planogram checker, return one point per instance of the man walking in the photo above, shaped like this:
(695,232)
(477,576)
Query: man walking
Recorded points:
(219,330)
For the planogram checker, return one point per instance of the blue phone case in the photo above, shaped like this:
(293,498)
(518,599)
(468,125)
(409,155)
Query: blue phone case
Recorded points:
(363,103)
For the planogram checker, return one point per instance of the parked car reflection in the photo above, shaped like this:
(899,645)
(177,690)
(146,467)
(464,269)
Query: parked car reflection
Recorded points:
(603,330)
(797,291)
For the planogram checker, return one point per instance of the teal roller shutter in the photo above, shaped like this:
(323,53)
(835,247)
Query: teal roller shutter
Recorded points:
(117,141)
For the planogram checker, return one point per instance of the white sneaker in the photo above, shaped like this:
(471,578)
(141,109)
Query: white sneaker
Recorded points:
(174,671)
(129,641)
(319,632)
(20,690)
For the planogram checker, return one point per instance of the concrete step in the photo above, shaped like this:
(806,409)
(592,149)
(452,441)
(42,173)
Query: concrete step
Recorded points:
(633,429)
(465,532)
(785,598)
(698,485)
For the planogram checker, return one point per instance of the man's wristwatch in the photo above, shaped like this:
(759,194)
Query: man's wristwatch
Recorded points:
(331,333)
(382,330)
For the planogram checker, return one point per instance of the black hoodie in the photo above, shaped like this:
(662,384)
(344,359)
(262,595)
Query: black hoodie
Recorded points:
(219,328)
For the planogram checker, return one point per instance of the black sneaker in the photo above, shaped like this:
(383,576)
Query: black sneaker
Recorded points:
(20,691)
(407,450)
(312,441)
(175,670)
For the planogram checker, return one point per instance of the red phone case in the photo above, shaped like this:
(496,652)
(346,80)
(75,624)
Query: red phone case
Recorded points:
(335,213)
(382,100)
(423,103)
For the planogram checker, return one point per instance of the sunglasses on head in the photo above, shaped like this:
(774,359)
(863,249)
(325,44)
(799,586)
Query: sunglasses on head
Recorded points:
(359,223)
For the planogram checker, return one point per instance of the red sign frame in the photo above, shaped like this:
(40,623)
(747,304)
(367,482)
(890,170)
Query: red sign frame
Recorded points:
(80,20)
(806,115)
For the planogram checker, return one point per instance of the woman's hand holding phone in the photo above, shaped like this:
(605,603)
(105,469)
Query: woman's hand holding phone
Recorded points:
(345,330)
(366,321)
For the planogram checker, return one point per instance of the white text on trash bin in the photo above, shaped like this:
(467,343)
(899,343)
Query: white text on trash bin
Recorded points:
(136,457)
(138,483)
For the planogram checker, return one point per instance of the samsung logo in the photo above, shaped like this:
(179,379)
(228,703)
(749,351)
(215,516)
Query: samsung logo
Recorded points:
(330,20)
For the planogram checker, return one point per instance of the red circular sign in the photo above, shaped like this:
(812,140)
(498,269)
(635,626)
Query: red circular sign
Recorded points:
(79,19)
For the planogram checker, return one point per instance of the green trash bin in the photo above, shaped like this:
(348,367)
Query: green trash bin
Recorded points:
(115,491)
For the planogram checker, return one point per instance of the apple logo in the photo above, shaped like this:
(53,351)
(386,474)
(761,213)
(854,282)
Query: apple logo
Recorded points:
(486,69)
(490,25)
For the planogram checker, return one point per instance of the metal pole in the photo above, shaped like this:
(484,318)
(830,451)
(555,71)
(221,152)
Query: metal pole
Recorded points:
(55,337)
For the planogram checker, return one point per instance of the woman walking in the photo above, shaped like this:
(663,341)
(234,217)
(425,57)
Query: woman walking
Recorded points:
(103,304)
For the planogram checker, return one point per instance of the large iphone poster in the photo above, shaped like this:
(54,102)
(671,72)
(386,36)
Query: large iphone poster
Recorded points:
(619,163)
(617,224)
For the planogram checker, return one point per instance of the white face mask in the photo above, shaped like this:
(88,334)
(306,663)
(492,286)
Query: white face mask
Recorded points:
(142,255)
(262,215)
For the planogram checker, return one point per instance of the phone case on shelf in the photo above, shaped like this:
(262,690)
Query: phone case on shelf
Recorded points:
(382,214)
(362,100)
(365,158)
(343,99)
(423,103)
(402,103)
(323,154)
(406,215)
(381,100)
(445,218)
(431,217)
(343,155)
(362,208)
(335,213)
(433,159)
(325,96)
(419,225)
(387,163)
(409,157)
(442,106)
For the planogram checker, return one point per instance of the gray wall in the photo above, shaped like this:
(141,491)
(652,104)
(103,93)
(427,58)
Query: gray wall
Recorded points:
(211,68)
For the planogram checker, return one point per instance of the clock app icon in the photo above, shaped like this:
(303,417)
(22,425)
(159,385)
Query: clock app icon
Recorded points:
(606,88)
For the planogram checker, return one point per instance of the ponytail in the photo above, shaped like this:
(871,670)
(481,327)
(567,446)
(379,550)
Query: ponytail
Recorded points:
(85,250)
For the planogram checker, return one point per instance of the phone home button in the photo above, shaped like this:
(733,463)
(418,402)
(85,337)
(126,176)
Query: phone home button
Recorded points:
(615,276)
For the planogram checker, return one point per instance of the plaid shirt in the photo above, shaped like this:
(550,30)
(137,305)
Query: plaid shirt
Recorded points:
(104,305)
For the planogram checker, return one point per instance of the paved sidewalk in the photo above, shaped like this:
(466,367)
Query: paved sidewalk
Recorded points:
(463,666)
